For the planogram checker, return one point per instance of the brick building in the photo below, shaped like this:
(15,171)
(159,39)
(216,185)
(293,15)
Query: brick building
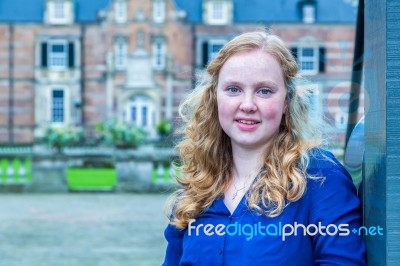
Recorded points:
(150,60)
(41,65)
(320,34)
(80,62)
(84,61)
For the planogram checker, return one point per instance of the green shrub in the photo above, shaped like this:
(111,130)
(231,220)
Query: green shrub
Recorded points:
(164,128)
(120,134)
(62,136)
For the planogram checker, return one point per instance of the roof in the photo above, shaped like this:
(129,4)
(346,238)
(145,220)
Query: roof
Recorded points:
(87,10)
(33,10)
(19,10)
(276,11)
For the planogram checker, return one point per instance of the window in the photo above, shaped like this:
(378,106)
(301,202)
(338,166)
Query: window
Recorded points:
(308,60)
(141,112)
(159,11)
(140,16)
(120,53)
(144,116)
(120,10)
(308,13)
(57,55)
(159,54)
(134,114)
(311,59)
(140,39)
(60,12)
(210,49)
(217,12)
(57,106)
(214,47)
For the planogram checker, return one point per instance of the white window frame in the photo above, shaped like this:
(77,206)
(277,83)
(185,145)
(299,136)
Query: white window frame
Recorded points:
(217,12)
(211,43)
(141,102)
(120,52)
(309,14)
(159,11)
(53,57)
(65,107)
(60,12)
(61,108)
(312,60)
(121,11)
(159,54)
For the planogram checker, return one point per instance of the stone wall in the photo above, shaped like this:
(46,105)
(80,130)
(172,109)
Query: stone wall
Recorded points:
(47,169)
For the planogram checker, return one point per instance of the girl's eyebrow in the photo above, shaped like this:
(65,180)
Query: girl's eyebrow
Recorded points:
(231,82)
(258,84)
(266,83)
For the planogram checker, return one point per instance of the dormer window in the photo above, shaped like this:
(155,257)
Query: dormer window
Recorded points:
(307,9)
(309,13)
(159,11)
(217,12)
(59,12)
(120,11)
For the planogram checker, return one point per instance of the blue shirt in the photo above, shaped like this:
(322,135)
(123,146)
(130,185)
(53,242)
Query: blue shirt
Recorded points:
(315,230)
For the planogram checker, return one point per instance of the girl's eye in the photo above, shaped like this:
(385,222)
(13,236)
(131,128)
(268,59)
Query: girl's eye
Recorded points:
(264,91)
(233,89)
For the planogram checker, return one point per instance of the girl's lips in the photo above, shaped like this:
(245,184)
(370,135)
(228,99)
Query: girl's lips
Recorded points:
(247,125)
(248,122)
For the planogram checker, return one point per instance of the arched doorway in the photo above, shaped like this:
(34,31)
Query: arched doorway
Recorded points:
(141,111)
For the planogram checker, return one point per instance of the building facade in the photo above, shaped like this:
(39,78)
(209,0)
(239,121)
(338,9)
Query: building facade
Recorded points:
(42,76)
(149,68)
(79,63)
(320,34)
(76,62)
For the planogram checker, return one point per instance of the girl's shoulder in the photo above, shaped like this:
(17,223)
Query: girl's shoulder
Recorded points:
(325,172)
(322,161)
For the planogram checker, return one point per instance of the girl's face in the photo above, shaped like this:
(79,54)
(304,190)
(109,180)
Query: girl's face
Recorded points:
(251,98)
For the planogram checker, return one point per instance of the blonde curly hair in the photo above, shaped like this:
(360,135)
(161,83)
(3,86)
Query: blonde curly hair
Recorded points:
(206,153)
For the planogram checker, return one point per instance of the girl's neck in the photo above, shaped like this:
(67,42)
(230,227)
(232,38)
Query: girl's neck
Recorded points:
(246,163)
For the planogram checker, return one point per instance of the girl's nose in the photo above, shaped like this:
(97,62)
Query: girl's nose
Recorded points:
(248,105)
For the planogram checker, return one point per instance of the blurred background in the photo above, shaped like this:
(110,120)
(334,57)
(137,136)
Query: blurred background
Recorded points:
(89,96)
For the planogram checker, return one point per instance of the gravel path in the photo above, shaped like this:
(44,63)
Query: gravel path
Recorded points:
(81,229)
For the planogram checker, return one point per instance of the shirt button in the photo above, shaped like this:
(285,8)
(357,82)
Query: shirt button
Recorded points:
(220,251)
